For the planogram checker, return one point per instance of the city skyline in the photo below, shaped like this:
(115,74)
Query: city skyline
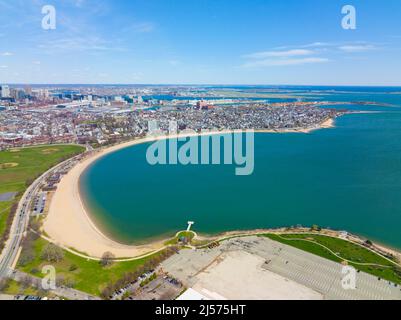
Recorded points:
(148,42)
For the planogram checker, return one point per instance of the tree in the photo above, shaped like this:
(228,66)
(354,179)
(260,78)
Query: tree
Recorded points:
(315,227)
(126,295)
(27,257)
(35,225)
(73,267)
(52,253)
(60,281)
(107,259)
(26,282)
(107,291)
(42,292)
(69,283)
(4,284)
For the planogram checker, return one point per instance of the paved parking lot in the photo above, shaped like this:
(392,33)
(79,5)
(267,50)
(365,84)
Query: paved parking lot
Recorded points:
(319,274)
(159,289)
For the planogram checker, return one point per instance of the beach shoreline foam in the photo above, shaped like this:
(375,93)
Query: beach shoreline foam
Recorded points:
(69,224)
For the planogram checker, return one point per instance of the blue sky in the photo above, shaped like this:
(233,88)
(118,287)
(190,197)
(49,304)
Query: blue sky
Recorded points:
(201,42)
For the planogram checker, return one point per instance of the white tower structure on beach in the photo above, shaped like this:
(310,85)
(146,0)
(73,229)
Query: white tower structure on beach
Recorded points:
(190,224)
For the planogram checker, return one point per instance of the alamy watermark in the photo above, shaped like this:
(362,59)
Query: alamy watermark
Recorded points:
(349,20)
(209,147)
(49,280)
(49,21)
(348,280)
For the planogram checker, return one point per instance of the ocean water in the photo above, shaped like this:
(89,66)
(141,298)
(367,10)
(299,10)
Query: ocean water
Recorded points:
(346,178)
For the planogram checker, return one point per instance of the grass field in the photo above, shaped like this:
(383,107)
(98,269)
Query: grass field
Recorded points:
(19,166)
(87,275)
(15,288)
(4,211)
(343,250)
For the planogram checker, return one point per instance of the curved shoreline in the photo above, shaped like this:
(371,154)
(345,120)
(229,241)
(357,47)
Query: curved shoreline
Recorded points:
(69,224)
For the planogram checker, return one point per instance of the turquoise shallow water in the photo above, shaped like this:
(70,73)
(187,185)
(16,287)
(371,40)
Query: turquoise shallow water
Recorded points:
(347,178)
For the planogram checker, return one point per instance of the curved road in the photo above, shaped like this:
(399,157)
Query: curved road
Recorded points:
(21,220)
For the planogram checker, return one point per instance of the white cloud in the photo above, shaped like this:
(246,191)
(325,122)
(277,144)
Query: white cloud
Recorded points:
(304,54)
(3,67)
(284,62)
(280,54)
(317,44)
(357,48)
(78,44)
(320,46)
(276,58)
(142,27)
(7,54)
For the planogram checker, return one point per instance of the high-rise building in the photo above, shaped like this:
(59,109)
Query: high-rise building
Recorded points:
(14,94)
(17,94)
(4,91)
(28,90)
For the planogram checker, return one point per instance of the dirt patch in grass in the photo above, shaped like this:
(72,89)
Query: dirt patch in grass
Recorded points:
(49,151)
(9,165)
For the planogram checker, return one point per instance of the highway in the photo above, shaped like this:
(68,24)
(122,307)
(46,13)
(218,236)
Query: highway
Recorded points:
(21,221)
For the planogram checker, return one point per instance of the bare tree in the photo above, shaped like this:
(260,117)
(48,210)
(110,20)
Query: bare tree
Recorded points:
(26,282)
(52,253)
(107,259)
(60,281)
(4,284)
(107,291)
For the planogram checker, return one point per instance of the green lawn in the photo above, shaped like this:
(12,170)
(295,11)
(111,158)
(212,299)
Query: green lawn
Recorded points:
(89,277)
(344,249)
(4,212)
(176,240)
(27,164)
(14,288)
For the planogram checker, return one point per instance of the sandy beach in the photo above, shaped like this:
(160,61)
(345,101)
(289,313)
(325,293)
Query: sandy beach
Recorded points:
(68,224)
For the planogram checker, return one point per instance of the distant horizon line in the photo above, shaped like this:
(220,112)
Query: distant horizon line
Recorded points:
(199,85)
